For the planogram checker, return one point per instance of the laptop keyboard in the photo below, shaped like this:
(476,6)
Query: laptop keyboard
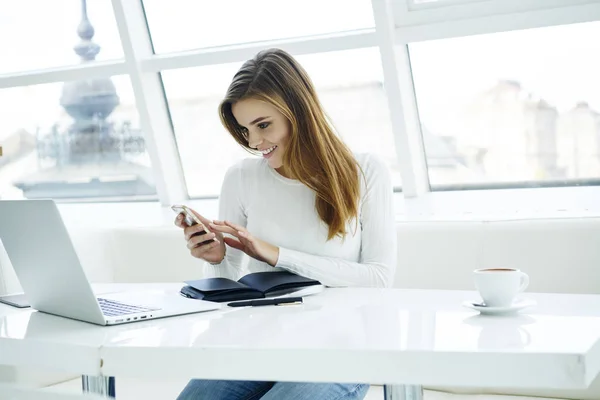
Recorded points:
(112,308)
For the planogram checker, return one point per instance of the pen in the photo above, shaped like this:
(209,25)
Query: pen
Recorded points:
(267,302)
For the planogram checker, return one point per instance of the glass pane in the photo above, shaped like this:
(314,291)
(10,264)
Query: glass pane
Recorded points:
(37,34)
(194,24)
(350,87)
(511,107)
(74,140)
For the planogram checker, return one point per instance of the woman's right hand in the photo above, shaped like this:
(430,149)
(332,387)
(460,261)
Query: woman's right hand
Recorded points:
(213,252)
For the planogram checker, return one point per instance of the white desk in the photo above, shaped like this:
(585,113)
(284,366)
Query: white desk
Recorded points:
(392,337)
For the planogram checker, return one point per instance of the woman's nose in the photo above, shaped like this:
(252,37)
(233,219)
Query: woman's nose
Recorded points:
(254,140)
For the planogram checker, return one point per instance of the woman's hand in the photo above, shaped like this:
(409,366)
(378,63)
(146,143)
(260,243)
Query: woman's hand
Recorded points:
(244,241)
(213,252)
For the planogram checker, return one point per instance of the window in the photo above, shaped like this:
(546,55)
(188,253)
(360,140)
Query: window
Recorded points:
(349,84)
(511,107)
(506,96)
(79,139)
(196,24)
(37,34)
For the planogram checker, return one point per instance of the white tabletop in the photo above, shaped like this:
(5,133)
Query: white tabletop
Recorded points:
(342,335)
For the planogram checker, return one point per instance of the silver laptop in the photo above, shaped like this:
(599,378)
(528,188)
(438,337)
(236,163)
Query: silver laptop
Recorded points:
(44,259)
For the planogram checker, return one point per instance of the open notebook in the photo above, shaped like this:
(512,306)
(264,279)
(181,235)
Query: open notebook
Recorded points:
(252,286)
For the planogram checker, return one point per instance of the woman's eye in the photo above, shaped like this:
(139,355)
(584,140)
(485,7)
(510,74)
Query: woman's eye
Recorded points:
(263,125)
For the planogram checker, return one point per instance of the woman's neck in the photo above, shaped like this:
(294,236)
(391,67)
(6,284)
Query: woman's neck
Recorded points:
(281,171)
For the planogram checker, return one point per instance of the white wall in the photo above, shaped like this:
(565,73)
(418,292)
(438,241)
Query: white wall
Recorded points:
(560,255)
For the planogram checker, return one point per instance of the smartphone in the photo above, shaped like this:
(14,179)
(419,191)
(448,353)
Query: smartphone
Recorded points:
(15,300)
(191,219)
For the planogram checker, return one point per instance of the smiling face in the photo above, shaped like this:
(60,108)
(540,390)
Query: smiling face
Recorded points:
(266,129)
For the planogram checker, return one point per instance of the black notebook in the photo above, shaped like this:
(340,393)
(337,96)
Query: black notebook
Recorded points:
(252,286)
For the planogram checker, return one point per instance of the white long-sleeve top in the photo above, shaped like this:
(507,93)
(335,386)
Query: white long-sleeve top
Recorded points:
(282,211)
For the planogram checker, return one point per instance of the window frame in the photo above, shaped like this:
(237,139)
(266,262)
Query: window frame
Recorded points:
(397,23)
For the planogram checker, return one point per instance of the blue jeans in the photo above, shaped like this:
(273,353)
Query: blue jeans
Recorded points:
(198,389)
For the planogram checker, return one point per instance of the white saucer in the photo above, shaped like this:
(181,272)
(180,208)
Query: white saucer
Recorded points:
(517,306)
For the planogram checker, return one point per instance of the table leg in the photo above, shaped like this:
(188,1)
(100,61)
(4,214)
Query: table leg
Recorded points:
(403,392)
(102,385)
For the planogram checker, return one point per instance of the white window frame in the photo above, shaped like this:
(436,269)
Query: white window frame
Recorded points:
(453,18)
(155,118)
(398,23)
(409,13)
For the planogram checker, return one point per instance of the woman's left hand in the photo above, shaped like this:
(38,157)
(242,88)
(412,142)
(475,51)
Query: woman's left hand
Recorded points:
(244,241)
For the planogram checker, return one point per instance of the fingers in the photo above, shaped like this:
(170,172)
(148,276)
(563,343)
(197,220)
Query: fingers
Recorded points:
(231,225)
(223,229)
(200,251)
(238,228)
(179,221)
(190,231)
(197,240)
(236,244)
(230,228)
(204,220)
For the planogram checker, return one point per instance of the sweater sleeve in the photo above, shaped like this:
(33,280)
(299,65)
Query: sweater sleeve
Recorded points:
(377,264)
(231,208)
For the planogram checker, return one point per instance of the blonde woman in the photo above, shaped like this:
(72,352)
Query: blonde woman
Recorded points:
(307,205)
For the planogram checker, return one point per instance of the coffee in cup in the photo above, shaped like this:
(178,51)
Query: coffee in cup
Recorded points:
(498,287)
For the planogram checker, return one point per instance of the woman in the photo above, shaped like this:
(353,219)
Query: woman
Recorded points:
(308,206)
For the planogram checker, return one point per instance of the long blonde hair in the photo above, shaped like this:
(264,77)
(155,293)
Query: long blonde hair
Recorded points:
(315,155)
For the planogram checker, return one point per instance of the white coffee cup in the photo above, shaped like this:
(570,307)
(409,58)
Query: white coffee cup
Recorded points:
(498,287)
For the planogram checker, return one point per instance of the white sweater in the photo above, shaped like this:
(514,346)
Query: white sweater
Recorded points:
(282,211)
